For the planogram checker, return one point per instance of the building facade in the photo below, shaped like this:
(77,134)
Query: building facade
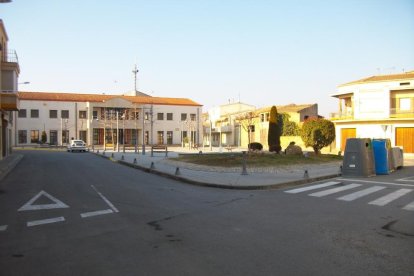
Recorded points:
(106,120)
(377,107)
(9,74)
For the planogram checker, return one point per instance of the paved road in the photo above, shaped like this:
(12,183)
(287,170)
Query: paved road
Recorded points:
(79,214)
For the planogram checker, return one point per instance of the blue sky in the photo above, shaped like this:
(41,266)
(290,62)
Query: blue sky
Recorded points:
(261,52)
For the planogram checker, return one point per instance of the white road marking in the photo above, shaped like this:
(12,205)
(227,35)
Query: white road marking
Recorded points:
(28,206)
(335,190)
(106,200)
(406,179)
(390,197)
(409,207)
(362,193)
(44,221)
(96,213)
(376,182)
(313,187)
(3,227)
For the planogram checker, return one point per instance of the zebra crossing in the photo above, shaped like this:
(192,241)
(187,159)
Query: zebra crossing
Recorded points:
(334,187)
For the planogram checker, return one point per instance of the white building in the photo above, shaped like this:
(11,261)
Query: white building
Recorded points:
(377,107)
(100,119)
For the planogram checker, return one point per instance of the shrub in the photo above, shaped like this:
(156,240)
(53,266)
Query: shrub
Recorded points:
(287,128)
(255,146)
(273,138)
(317,133)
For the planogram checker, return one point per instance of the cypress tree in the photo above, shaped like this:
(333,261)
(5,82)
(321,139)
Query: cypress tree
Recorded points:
(273,137)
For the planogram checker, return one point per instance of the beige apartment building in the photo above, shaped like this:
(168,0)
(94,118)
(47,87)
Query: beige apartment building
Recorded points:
(377,107)
(106,121)
(9,74)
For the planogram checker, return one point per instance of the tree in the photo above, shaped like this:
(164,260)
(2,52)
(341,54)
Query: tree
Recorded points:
(317,133)
(44,137)
(288,128)
(246,121)
(273,137)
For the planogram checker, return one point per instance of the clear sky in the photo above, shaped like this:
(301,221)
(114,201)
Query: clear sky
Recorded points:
(212,51)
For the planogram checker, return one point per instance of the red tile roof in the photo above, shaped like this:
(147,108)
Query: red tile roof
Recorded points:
(72,97)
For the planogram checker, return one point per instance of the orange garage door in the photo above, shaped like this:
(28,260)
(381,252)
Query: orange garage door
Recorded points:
(404,137)
(345,134)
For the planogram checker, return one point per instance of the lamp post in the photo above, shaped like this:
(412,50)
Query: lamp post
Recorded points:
(123,132)
(117,132)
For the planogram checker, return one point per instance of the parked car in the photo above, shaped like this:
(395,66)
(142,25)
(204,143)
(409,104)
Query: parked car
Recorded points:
(77,145)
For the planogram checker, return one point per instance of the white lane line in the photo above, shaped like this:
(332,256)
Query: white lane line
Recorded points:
(409,207)
(376,182)
(106,200)
(96,213)
(390,197)
(3,227)
(406,179)
(44,221)
(362,193)
(335,190)
(313,187)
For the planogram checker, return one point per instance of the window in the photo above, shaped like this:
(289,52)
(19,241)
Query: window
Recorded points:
(267,117)
(95,114)
(53,136)
(52,114)
(405,104)
(183,116)
(146,117)
(169,116)
(22,113)
(169,137)
(262,117)
(82,114)
(34,136)
(64,114)
(160,137)
(34,113)
(135,115)
(251,128)
(22,136)
(192,117)
(160,116)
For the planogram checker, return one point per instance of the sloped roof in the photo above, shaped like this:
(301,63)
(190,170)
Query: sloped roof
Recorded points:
(286,108)
(72,97)
(379,78)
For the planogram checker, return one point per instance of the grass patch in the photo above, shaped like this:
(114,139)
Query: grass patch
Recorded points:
(255,159)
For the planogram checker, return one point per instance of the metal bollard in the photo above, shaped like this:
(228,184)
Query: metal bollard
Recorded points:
(135,160)
(244,169)
(152,166)
(122,158)
(340,171)
(112,155)
(306,174)
(103,153)
(177,171)
(97,151)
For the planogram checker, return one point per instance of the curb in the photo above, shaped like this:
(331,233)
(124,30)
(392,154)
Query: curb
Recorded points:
(221,186)
(10,166)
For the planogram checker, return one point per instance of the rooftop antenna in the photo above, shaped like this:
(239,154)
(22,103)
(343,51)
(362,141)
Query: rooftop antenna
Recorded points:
(135,72)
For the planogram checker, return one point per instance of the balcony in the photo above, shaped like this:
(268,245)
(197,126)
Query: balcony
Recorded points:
(10,56)
(9,101)
(398,113)
(344,115)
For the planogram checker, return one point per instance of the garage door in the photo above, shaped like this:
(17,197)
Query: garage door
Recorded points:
(404,137)
(345,134)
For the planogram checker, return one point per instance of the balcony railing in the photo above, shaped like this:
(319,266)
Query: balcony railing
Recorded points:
(398,113)
(342,115)
(10,56)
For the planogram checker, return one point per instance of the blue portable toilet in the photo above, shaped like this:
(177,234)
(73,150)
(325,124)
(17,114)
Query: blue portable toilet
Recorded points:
(381,156)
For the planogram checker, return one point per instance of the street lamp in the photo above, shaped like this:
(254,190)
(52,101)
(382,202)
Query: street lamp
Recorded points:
(26,82)
(123,132)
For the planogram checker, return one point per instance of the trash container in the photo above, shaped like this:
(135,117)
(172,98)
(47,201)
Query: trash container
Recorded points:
(358,158)
(383,156)
(397,157)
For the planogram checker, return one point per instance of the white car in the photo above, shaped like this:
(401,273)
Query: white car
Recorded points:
(77,145)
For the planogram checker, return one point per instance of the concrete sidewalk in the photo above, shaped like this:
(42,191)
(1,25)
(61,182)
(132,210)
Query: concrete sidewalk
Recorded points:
(228,178)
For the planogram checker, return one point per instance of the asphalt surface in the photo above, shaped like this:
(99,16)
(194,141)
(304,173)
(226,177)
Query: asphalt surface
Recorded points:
(121,221)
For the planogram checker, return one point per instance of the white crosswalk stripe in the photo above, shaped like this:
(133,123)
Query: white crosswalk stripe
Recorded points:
(390,197)
(409,207)
(362,193)
(313,187)
(382,201)
(335,190)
